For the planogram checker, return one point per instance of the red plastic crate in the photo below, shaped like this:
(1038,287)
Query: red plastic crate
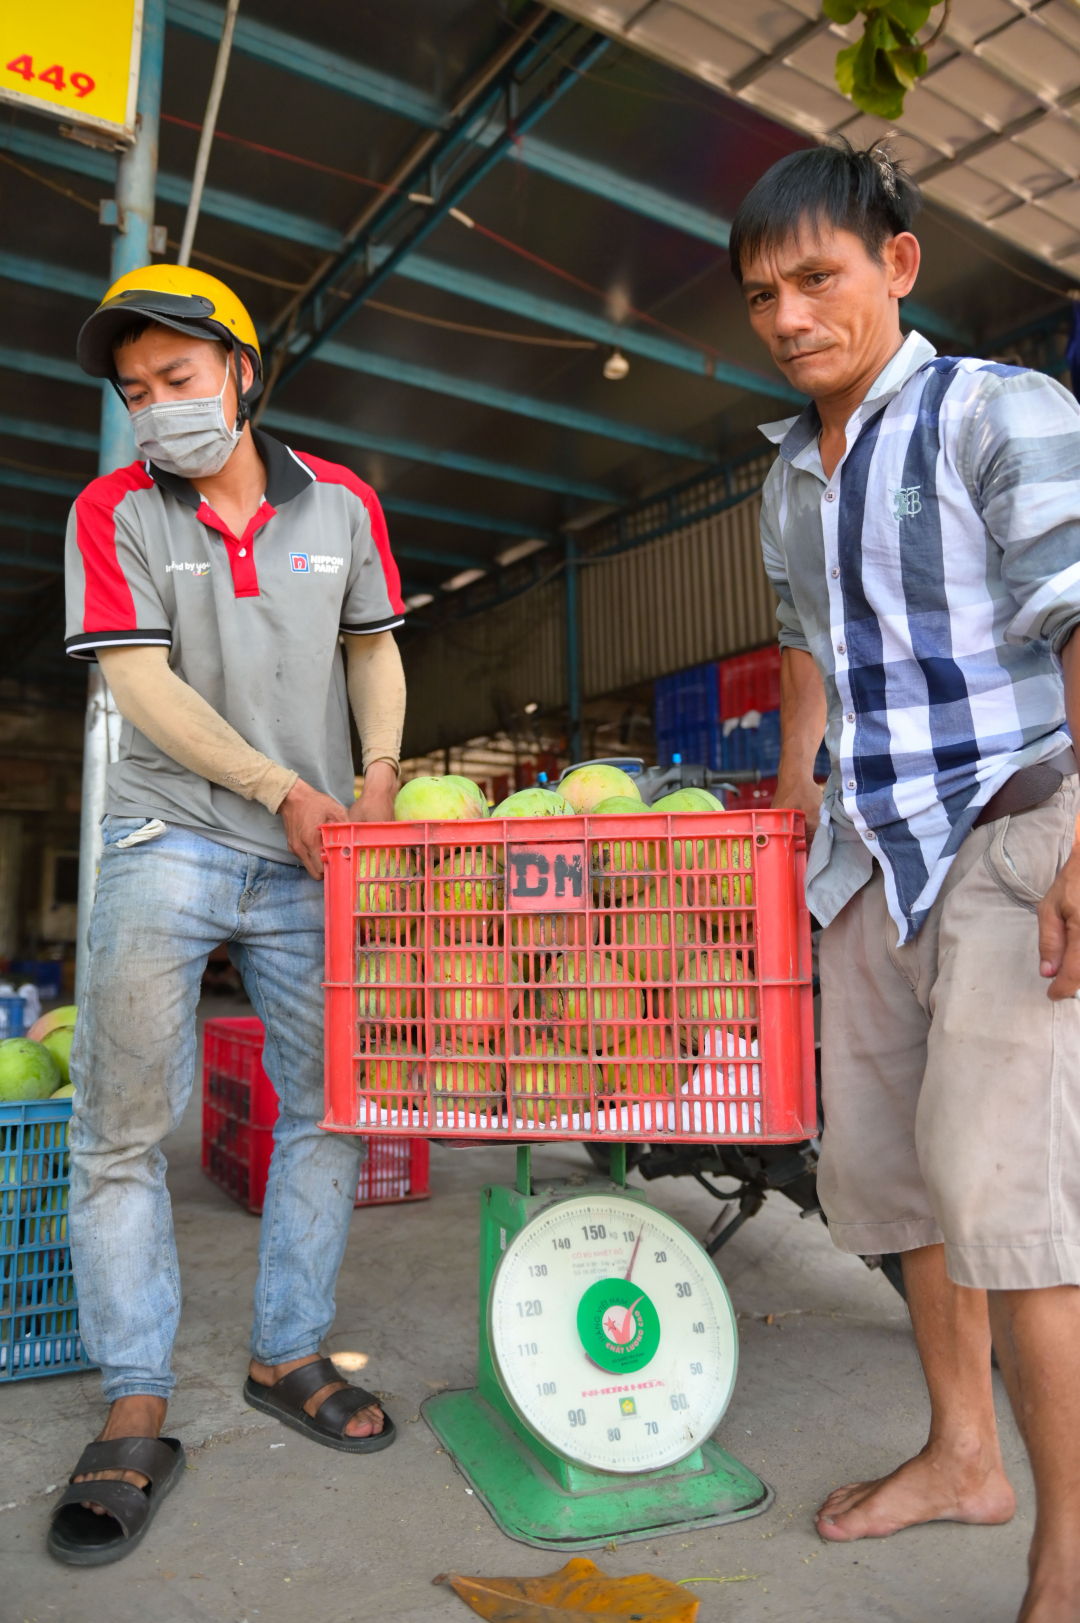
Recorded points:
(637,978)
(750,796)
(750,682)
(240,1108)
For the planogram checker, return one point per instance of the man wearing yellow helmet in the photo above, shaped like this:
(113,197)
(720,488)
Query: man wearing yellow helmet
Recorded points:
(214,579)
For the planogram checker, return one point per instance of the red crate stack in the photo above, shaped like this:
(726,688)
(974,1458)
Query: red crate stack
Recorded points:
(240,1108)
(750,682)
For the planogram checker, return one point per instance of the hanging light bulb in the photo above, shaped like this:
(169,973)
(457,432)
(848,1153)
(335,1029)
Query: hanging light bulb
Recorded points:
(616,366)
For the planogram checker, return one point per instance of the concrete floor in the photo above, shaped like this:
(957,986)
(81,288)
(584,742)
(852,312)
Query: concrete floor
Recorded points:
(266,1525)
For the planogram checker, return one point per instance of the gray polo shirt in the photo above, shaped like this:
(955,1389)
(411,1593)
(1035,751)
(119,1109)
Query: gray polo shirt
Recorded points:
(250,622)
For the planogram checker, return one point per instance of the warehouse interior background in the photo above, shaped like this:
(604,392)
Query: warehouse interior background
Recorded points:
(528,340)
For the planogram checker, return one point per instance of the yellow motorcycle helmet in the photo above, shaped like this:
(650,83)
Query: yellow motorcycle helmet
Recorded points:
(190,301)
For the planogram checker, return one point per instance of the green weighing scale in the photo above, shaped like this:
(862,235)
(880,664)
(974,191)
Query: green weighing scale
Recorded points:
(608,1352)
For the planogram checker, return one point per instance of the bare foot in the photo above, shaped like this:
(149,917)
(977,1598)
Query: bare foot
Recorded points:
(364,1423)
(128,1417)
(938,1485)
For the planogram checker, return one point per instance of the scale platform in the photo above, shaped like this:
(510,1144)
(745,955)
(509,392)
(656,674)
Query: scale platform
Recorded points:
(517,1461)
(592,1507)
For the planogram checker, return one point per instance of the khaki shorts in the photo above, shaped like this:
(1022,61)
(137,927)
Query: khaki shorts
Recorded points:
(950,1082)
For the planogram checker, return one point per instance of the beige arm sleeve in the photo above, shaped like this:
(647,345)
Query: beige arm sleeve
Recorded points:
(376,681)
(180,722)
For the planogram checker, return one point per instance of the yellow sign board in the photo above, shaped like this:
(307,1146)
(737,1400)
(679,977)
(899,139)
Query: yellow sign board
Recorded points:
(73,59)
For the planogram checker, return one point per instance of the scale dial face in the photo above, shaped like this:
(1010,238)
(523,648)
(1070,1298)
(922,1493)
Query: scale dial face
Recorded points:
(612,1334)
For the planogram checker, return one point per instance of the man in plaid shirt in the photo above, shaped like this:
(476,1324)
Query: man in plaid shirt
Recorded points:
(921,526)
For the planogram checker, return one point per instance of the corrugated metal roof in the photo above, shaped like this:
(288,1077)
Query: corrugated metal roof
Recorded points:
(992,130)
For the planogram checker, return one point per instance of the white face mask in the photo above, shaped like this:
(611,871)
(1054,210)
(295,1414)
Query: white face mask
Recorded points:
(187,437)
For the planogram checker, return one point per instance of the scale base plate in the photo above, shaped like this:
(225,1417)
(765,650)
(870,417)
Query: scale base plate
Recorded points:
(707,1490)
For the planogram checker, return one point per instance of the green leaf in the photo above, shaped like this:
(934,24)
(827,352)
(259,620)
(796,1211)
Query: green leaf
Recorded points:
(841,11)
(877,70)
(910,14)
(845,68)
(881,103)
(909,66)
(879,35)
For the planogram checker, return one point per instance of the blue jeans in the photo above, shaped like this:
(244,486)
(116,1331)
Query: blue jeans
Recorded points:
(161,907)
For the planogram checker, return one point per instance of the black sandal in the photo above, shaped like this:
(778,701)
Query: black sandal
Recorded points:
(79,1536)
(286,1398)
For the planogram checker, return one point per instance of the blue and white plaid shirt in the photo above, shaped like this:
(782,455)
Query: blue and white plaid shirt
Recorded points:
(934,578)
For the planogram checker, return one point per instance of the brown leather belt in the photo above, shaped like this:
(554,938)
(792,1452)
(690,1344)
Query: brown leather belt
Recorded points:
(1030,787)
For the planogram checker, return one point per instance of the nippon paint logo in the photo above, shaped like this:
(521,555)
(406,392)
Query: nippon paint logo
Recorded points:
(315,563)
(174,568)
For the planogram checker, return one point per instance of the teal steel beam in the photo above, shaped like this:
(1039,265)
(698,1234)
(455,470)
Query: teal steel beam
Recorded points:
(485,394)
(296,56)
(511,87)
(59,279)
(914,314)
(31,522)
(70,155)
(40,274)
(429,555)
(494,295)
(333,434)
(539,155)
(327,68)
(45,366)
(256,216)
(460,516)
(223,205)
(55,278)
(77,439)
(101,166)
(44,484)
(334,72)
(26,560)
(571,170)
(337,433)
(553,313)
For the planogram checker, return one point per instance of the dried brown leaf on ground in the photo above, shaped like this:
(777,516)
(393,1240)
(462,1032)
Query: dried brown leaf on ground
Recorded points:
(577,1593)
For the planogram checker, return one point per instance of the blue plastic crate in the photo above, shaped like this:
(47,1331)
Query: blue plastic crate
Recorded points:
(687,698)
(757,748)
(737,752)
(687,716)
(12,1010)
(39,1315)
(46,973)
(698,746)
(750,749)
(767,744)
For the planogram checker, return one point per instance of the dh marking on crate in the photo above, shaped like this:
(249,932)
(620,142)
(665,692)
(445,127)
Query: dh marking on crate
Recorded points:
(547,879)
